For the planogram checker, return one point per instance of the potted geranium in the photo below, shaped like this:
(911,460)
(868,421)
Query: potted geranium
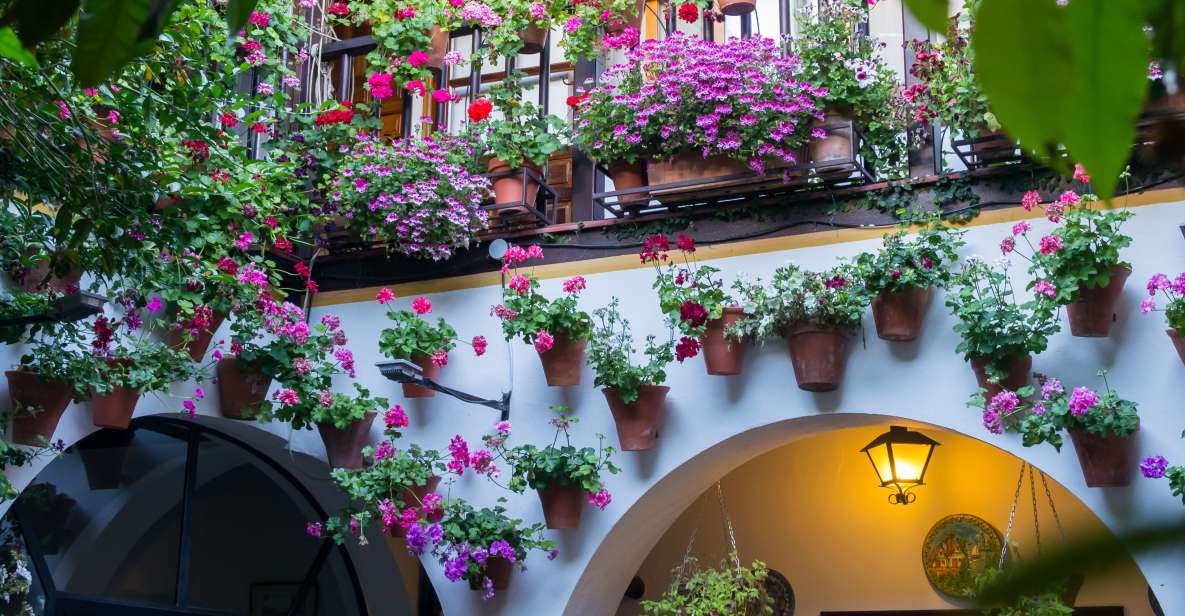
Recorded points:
(1077,264)
(999,332)
(43,385)
(1174,311)
(563,475)
(556,328)
(1101,426)
(756,116)
(635,393)
(419,197)
(520,138)
(1157,467)
(480,546)
(815,311)
(694,299)
(413,338)
(601,114)
(947,91)
(902,274)
(730,588)
(839,56)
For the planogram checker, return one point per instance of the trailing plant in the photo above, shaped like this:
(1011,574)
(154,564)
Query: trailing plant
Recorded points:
(142,365)
(689,294)
(1157,467)
(730,588)
(993,323)
(556,464)
(832,298)
(1048,603)
(1080,253)
(1174,291)
(412,336)
(1043,420)
(402,34)
(521,135)
(527,314)
(611,355)
(923,261)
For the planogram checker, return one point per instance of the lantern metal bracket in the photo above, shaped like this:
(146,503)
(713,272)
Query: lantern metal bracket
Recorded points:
(404,371)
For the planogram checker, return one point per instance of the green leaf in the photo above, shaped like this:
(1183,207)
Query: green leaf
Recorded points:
(932,13)
(1110,68)
(10,47)
(108,34)
(237,12)
(1024,64)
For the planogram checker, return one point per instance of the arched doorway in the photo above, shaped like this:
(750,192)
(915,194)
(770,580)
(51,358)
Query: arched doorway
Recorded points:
(173,517)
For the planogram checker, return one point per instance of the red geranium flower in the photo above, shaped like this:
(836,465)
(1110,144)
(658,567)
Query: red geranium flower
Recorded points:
(688,12)
(480,109)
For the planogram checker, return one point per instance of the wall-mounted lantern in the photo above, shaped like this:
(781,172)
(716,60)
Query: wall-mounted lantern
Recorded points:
(900,458)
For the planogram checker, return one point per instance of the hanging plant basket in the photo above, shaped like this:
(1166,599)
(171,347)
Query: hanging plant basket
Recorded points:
(819,354)
(1106,460)
(638,421)
(412,497)
(343,448)
(1094,312)
(498,569)
(198,346)
(1018,370)
(429,370)
(241,388)
(28,390)
(721,355)
(564,361)
(899,314)
(562,505)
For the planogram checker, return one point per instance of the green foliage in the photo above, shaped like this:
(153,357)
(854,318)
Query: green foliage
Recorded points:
(10,47)
(611,355)
(1044,419)
(1048,603)
(531,312)
(730,588)
(948,90)
(1092,242)
(922,262)
(109,36)
(521,135)
(835,297)
(679,284)
(464,525)
(382,483)
(932,13)
(555,465)
(412,336)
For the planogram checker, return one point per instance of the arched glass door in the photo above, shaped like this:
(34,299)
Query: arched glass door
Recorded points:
(171,517)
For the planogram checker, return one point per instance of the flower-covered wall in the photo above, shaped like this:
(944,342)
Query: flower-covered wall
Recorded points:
(714,424)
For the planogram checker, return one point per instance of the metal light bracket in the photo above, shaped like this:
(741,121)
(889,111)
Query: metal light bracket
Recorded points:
(404,371)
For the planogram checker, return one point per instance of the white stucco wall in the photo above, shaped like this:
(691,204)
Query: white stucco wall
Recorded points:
(717,423)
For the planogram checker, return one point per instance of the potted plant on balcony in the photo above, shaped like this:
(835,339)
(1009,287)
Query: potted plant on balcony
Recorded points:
(1101,426)
(480,546)
(692,297)
(1174,311)
(29,263)
(563,475)
(839,57)
(947,91)
(815,311)
(903,273)
(556,328)
(1077,264)
(729,588)
(409,37)
(999,333)
(413,338)
(601,114)
(521,138)
(702,109)
(417,197)
(635,393)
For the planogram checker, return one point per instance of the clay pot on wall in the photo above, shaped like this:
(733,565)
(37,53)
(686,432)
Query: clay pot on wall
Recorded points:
(819,354)
(533,38)
(29,391)
(199,345)
(343,448)
(722,356)
(1017,373)
(1178,342)
(899,314)
(114,410)
(1106,460)
(1091,316)
(439,48)
(563,363)
(638,421)
(627,176)
(562,505)
(498,569)
(429,370)
(241,388)
(39,278)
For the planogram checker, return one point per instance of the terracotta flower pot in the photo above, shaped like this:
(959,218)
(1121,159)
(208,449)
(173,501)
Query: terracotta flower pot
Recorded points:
(836,146)
(498,569)
(632,19)
(638,422)
(1091,316)
(819,354)
(899,314)
(439,47)
(1106,461)
(723,357)
(199,345)
(511,189)
(241,388)
(39,277)
(627,176)
(114,410)
(430,370)
(1178,342)
(533,38)
(1018,371)
(343,448)
(562,505)
(563,363)
(692,166)
(737,7)
(412,497)
(994,147)
(27,390)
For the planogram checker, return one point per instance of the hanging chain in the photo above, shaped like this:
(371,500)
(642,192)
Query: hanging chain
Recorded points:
(728,530)
(1048,496)
(699,517)
(1012,514)
(1033,497)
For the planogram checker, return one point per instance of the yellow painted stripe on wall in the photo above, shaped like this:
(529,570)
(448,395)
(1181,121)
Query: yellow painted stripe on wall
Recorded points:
(707,252)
